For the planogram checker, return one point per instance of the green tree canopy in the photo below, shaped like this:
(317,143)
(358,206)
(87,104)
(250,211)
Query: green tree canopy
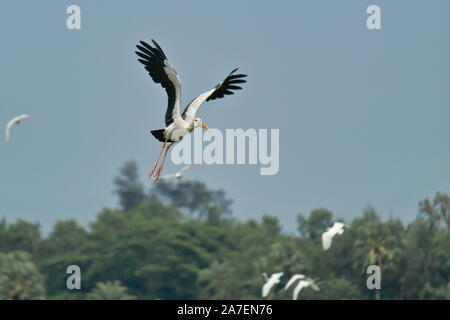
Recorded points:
(315,224)
(20,279)
(129,187)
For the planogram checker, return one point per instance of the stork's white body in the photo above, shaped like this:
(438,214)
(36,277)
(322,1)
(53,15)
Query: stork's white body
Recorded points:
(178,129)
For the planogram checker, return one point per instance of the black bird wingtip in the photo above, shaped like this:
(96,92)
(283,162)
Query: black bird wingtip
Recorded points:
(156,44)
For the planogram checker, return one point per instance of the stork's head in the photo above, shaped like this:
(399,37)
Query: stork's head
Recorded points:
(198,123)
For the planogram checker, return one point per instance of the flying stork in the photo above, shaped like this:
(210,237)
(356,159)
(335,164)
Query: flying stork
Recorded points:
(178,124)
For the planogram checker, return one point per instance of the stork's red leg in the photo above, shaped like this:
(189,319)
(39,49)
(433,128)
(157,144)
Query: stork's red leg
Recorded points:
(157,160)
(158,172)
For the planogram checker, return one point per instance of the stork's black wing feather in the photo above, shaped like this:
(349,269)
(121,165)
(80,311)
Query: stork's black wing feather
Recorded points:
(161,71)
(227,86)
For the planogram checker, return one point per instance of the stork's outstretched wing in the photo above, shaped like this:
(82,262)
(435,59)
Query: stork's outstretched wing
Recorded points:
(223,88)
(161,71)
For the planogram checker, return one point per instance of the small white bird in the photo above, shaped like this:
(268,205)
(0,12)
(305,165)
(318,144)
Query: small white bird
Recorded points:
(327,236)
(13,122)
(303,283)
(177,175)
(270,282)
(294,278)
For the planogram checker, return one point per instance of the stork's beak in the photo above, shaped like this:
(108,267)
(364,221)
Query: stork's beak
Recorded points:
(204,126)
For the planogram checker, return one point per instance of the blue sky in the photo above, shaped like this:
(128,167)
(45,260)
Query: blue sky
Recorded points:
(363,115)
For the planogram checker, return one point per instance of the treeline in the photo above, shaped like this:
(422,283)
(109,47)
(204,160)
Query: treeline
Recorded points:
(179,240)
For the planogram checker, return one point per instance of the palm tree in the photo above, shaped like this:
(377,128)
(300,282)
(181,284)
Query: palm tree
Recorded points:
(376,243)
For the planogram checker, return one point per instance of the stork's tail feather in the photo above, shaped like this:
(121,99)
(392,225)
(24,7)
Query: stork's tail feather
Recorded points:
(159,134)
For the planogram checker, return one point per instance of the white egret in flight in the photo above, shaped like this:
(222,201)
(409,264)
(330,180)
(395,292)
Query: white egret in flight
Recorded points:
(294,278)
(302,283)
(327,236)
(270,282)
(12,122)
(178,124)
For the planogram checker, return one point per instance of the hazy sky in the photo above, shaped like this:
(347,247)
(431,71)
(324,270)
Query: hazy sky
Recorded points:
(363,115)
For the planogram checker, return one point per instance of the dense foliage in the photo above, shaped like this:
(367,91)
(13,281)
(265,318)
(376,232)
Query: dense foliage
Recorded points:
(179,240)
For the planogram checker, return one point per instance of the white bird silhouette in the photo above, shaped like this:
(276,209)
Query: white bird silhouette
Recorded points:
(303,284)
(270,282)
(327,236)
(13,122)
(294,278)
(177,175)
